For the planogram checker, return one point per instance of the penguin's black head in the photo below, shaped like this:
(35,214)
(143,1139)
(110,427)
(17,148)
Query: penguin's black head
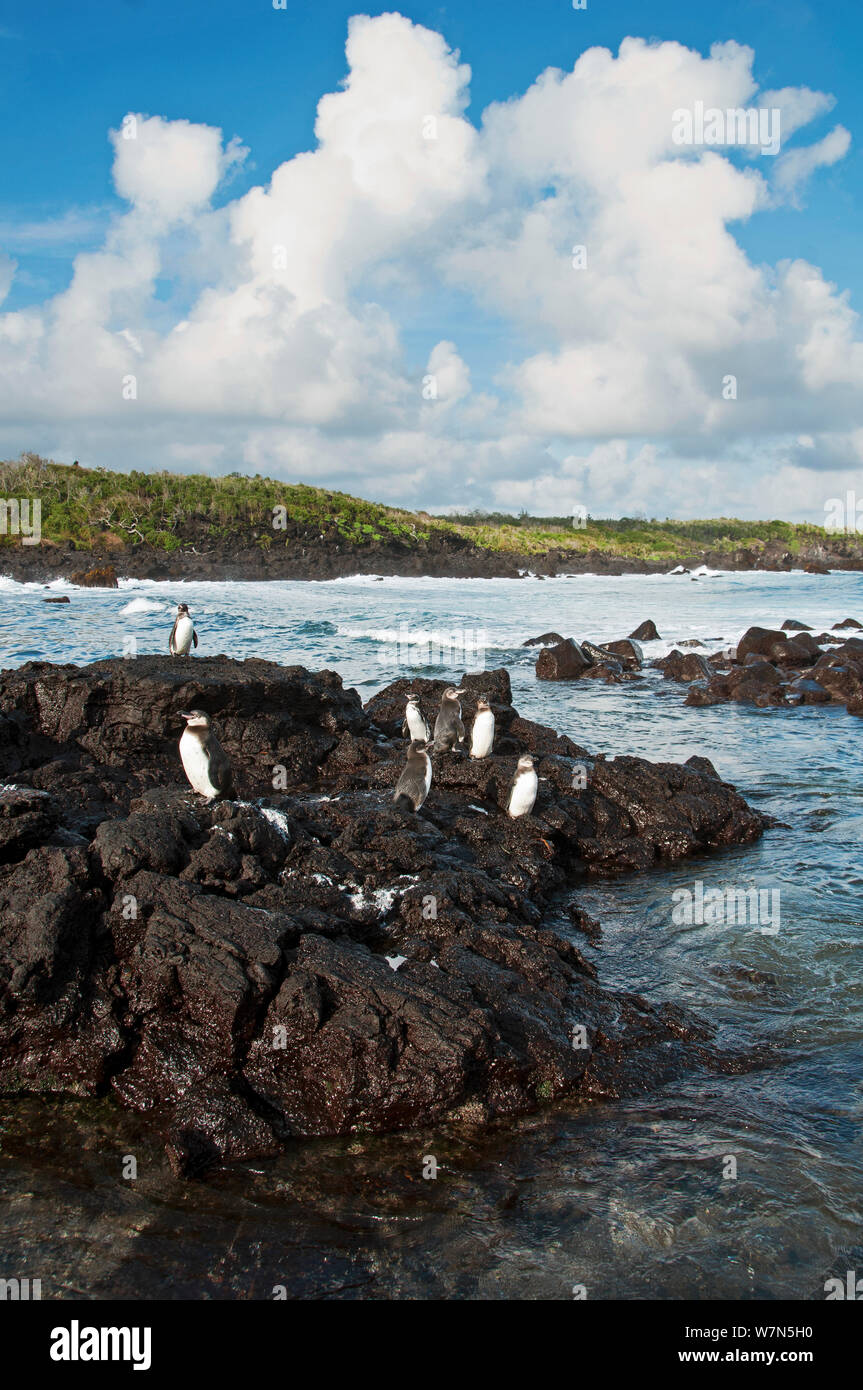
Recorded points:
(196,718)
(182,607)
(419,745)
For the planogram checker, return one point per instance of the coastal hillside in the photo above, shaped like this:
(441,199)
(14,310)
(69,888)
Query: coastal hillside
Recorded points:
(168,525)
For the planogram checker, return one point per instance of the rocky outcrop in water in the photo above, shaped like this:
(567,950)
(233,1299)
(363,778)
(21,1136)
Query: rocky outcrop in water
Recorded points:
(777,667)
(306,960)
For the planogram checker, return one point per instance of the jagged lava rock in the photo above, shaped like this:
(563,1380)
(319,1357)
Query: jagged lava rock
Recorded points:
(227,969)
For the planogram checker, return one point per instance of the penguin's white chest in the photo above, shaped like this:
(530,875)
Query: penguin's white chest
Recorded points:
(196,765)
(482,736)
(523,794)
(183,635)
(417,726)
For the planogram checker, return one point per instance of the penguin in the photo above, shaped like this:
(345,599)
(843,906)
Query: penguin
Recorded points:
(482,733)
(205,761)
(448,728)
(412,788)
(183,634)
(522,794)
(415,725)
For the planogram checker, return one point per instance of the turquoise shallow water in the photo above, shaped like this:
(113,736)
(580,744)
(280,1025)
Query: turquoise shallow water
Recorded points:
(627,1199)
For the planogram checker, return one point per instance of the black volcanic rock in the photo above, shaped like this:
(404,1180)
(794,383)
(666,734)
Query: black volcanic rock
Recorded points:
(547,639)
(680,666)
(627,651)
(763,642)
(645,632)
(305,960)
(565,662)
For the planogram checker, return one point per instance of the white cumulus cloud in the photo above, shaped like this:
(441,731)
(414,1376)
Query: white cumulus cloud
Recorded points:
(570,277)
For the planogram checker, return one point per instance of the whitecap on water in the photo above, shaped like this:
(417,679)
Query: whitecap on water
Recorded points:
(143,605)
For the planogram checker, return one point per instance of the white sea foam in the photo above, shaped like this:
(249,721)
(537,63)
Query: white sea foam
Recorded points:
(459,639)
(143,605)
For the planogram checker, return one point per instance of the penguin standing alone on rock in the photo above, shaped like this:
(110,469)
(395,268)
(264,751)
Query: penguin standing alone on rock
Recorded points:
(183,633)
(412,788)
(205,761)
(448,728)
(482,733)
(522,794)
(415,723)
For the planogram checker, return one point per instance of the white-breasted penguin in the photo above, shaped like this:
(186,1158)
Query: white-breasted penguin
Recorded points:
(448,728)
(482,733)
(183,634)
(205,761)
(415,724)
(412,788)
(522,793)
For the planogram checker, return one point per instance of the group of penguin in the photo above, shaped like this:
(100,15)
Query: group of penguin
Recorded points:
(450,736)
(208,767)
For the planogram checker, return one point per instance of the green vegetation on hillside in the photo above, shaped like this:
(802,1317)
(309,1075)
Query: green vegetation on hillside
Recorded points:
(93,507)
(99,509)
(632,537)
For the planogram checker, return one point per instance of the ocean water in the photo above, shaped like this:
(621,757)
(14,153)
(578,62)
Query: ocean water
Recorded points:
(743,1186)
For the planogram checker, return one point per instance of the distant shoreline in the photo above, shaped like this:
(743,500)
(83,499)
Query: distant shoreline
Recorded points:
(171,527)
(46,563)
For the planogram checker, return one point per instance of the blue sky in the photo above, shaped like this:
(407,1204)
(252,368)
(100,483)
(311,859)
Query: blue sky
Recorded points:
(68,74)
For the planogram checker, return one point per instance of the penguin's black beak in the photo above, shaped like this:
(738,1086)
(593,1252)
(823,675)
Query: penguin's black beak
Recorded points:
(185,714)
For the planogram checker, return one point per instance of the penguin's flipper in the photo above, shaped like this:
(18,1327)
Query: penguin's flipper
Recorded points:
(171,647)
(194,637)
(405,729)
(220,771)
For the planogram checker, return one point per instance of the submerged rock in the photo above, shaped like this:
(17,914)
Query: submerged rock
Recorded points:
(226,969)
(547,639)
